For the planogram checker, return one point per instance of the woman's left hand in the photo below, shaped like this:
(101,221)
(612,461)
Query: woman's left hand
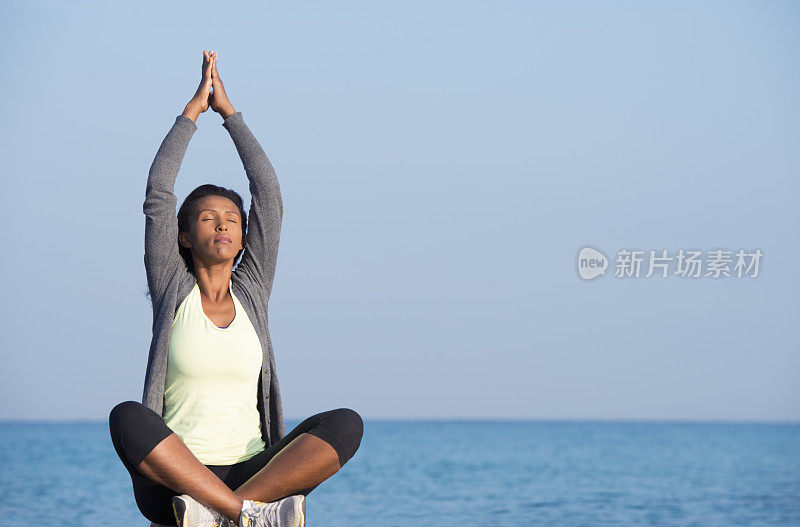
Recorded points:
(219,99)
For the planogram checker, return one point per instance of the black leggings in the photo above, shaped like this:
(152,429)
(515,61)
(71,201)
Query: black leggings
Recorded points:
(136,430)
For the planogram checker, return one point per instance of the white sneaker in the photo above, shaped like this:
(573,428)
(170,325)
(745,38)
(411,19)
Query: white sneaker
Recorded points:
(191,513)
(288,512)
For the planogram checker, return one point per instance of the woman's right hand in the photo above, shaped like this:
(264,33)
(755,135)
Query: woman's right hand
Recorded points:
(202,97)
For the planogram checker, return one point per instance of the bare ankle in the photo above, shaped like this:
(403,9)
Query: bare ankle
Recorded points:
(234,512)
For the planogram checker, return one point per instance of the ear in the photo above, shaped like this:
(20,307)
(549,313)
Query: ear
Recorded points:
(183,239)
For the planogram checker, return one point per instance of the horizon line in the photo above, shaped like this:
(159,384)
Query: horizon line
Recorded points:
(553,420)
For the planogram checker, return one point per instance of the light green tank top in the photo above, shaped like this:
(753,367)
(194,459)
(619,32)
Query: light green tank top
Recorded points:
(212,384)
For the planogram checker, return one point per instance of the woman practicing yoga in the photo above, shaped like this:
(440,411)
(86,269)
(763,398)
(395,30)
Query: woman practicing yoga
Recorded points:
(207,446)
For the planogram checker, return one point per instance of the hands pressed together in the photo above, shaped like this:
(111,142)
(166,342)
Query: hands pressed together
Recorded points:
(210,93)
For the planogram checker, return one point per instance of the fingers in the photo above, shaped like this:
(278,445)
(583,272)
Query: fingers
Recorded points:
(210,56)
(214,73)
(210,65)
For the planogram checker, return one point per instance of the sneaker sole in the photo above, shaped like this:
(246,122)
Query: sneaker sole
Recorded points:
(302,511)
(179,508)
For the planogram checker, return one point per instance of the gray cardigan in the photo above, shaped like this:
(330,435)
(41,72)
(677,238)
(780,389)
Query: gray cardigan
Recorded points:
(169,281)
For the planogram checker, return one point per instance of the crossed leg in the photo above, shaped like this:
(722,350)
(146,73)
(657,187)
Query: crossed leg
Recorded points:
(296,464)
(305,462)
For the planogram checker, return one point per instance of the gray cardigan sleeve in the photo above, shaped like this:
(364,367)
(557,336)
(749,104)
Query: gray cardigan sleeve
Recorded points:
(266,207)
(161,258)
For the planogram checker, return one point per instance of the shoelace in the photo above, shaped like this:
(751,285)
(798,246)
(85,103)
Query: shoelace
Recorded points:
(220,520)
(260,514)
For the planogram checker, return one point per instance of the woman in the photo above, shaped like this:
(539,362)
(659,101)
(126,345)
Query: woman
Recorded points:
(207,444)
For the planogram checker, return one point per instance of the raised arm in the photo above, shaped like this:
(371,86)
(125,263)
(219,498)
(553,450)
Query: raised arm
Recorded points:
(266,206)
(161,257)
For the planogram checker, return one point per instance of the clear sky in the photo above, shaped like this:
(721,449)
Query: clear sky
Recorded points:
(441,163)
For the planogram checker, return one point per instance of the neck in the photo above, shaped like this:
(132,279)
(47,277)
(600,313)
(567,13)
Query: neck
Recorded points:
(214,280)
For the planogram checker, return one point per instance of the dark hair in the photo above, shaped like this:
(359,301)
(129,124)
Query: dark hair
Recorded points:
(186,213)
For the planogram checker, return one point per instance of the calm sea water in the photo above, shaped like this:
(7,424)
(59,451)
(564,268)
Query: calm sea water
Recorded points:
(459,473)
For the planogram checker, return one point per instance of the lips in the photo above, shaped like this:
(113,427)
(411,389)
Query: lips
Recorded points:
(221,238)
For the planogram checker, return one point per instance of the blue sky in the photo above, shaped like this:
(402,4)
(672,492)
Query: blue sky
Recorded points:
(441,166)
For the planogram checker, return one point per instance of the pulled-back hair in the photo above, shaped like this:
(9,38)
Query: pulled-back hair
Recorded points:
(186,213)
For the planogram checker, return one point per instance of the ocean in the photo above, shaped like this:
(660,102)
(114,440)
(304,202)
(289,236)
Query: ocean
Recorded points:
(459,473)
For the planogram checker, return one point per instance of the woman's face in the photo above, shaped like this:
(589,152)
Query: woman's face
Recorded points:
(216,233)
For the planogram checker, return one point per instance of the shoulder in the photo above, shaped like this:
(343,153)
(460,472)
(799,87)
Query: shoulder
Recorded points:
(245,289)
(244,284)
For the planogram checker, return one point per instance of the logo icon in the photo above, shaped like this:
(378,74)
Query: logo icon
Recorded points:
(591,263)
